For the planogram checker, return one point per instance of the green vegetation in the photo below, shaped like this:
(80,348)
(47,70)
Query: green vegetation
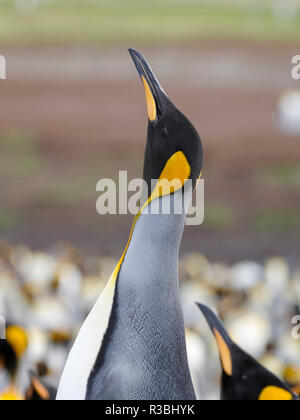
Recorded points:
(276,221)
(155,21)
(19,154)
(219,216)
(9,219)
(69,192)
(282,219)
(281,175)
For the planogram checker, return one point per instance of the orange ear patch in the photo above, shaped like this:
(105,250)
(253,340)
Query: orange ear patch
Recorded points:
(274,393)
(177,168)
(224,353)
(176,172)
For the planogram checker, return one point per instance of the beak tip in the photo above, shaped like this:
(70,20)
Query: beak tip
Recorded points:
(139,61)
(134,53)
(151,84)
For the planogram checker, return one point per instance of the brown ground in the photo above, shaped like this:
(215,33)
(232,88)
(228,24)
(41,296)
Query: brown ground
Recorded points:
(86,109)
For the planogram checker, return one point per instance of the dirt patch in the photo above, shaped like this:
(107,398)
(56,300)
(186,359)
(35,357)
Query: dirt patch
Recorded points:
(86,111)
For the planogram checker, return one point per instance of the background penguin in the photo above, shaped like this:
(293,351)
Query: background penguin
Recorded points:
(15,383)
(243,377)
(39,391)
(132,345)
(12,350)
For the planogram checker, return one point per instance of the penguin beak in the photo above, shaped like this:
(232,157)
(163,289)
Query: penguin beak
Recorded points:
(223,340)
(153,89)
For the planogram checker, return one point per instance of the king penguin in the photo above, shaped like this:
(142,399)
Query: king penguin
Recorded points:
(132,345)
(12,350)
(243,378)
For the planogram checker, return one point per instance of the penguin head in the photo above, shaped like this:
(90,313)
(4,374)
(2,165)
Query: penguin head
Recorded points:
(12,348)
(243,377)
(174,148)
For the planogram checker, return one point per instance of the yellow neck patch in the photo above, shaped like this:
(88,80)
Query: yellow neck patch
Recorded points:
(274,393)
(224,353)
(151,104)
(17,338)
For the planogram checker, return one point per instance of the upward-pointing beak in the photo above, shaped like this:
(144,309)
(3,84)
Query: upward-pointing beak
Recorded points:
(223,340)
(153,89)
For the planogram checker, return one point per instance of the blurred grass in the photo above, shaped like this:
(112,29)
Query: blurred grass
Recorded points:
(107,22)
(281,175)
(276,220)
(68,192)
(19,153)
(9,218)
(219,216)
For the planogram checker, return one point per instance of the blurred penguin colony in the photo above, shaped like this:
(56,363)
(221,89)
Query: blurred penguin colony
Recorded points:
(45,297)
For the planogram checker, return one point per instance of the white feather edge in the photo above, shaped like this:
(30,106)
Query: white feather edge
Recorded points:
(83,355)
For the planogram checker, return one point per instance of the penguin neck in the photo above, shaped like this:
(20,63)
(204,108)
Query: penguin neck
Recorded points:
(146,319)
(154,247)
